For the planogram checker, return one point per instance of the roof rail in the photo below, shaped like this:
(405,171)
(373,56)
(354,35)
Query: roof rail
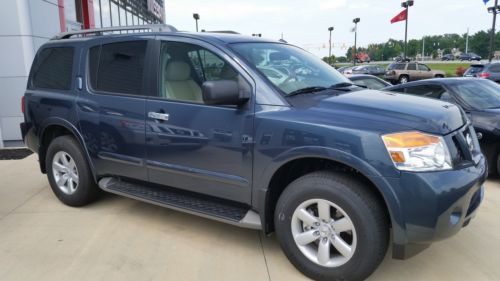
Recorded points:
(100,31)
(220,31)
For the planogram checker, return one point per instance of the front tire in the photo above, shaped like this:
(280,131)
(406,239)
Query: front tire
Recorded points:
(331,227)
(68,172)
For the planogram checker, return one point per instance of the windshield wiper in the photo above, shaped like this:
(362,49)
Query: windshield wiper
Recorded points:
(306,90)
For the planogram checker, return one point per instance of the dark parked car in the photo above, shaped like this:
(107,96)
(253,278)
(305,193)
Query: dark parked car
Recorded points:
(376,70)
(479,98)
(369,81)
(489,71)
(447,57)
(469,57)
(256,133)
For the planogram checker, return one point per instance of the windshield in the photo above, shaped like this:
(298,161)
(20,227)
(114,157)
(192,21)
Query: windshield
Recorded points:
(287,67)
(479,94)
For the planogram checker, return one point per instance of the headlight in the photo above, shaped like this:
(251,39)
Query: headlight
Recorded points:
(416,151)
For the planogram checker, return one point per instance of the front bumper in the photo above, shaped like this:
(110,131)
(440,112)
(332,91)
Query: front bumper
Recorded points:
(436,205)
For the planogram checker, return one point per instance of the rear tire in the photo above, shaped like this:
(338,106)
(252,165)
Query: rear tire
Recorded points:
(69,174)
(350,245)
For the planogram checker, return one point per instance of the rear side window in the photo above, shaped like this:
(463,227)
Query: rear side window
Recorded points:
(412,66)
(53,68)
(474,69)
(398,66)
(495,68)
(118,67)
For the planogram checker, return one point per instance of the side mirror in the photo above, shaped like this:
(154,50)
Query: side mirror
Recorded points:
(222,92)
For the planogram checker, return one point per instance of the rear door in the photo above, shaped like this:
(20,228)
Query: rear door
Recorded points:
(111,107)
(412,71)
(191,145)
(424,71)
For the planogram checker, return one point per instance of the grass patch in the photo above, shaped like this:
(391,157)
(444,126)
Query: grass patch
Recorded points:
(448,68)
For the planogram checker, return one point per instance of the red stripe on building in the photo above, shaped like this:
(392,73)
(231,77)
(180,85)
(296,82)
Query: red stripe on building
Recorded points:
(88,14)
(62,18)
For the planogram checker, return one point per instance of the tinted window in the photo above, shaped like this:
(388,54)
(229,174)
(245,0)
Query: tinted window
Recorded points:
(53,68)
(429,91)
(398,66)
(118,67)
(412,66)
(479,94)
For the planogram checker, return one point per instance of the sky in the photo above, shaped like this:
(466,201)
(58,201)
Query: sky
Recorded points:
(305,23)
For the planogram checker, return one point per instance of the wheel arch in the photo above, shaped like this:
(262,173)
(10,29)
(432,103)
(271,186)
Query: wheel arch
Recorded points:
(301,161)
(55,127)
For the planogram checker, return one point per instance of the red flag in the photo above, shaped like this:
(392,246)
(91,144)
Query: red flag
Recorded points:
(399,17)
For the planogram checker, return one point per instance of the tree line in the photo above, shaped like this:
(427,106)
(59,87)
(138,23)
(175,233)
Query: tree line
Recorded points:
(435,46)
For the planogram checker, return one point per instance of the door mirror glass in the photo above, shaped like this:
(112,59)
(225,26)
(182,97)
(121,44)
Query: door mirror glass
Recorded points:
(222,92)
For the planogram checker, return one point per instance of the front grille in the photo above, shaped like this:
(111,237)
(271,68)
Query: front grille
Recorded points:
(464,146)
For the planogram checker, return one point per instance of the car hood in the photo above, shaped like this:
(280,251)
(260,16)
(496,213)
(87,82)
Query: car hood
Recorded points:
(382,111)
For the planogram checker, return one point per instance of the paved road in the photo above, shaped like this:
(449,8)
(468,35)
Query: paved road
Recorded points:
(122,239)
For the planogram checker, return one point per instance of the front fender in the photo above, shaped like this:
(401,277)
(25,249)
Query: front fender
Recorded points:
(378,181)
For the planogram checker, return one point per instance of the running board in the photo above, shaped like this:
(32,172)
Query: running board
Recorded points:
(184,201)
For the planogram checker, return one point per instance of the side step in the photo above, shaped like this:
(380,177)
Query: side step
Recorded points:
(184,201)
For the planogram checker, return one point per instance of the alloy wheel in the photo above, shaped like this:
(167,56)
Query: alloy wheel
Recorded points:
(323,232)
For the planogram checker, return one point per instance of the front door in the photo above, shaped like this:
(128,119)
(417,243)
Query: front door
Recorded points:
(190,145)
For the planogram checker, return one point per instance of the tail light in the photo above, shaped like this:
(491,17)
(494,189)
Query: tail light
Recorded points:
(483,75)
(22,104)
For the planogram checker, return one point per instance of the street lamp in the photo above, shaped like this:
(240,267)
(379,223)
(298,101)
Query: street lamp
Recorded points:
(406,4)
(494,10)
(330,45)
(196,17)
(355,21)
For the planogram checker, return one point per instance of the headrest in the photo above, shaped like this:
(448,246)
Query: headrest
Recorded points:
(177,71)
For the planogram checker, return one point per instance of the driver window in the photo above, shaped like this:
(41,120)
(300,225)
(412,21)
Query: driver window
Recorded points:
(185,67)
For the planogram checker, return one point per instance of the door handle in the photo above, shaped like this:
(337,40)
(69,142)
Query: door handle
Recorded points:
(158,116)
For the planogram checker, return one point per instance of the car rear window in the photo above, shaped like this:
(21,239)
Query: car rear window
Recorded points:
(474,69)
(398,66)
(118,67)
(52,69)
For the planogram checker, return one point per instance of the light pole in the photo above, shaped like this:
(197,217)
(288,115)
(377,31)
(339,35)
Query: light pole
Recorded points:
(355,21)
(493,10)
(330,46)
(406,4)
(196,17)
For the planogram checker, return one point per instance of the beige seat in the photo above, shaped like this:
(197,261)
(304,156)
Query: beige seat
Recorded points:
(179,84)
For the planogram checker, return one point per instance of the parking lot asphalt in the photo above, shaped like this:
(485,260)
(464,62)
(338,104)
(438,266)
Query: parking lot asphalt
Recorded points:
(121,239)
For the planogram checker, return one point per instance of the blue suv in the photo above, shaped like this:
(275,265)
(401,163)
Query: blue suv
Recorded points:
(255,133)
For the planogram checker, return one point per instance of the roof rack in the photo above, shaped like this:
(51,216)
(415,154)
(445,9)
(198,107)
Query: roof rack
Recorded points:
(101,31)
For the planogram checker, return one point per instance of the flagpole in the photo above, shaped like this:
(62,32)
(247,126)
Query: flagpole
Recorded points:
(492,36)
(407,4)
(406,32)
